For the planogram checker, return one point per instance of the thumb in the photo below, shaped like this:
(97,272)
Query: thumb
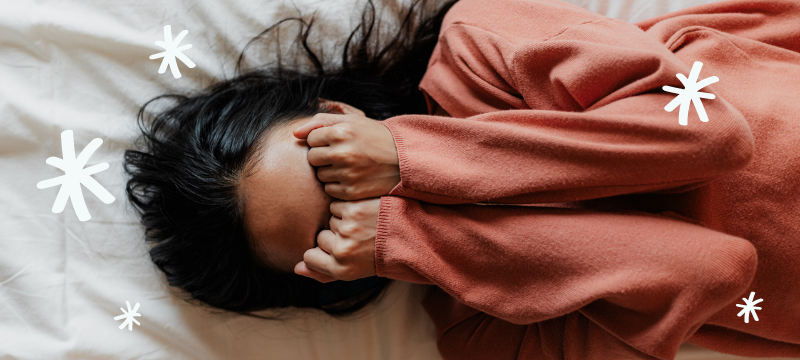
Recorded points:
(318,121)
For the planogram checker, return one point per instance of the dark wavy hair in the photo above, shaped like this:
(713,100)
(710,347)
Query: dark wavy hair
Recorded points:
(184,177)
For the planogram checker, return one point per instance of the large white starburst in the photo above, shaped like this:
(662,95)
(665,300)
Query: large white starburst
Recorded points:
(749,308)
(128,316)
(75,175)
(172,51)
(690,93)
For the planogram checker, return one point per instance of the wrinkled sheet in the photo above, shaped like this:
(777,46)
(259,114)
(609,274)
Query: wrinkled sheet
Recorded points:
(83,65)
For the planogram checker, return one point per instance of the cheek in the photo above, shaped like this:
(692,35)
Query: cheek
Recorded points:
(311,212)
(315,213)
(297,235)
(310,203)
(289,226)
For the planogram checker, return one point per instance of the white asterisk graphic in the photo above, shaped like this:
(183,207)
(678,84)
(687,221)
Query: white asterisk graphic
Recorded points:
(749,308)
(128,316)
(690,93)
(172,51)
(74,176)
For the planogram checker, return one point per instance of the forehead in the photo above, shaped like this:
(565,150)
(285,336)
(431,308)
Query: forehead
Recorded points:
(266,187)
(273,194)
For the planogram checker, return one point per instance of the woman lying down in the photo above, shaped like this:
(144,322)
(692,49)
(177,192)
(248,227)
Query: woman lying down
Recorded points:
(517,155)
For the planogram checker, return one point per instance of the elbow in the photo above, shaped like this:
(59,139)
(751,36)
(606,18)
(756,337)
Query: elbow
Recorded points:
(731,146)
(740,148)
(736,268)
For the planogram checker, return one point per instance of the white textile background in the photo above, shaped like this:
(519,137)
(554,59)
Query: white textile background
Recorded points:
(83,65)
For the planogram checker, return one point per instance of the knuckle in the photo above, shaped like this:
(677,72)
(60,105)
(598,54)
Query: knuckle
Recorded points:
(346,193)
(341,132)
(344,250)
(341,156)
(355,212)
(351,174)
(347,229)
(339,253)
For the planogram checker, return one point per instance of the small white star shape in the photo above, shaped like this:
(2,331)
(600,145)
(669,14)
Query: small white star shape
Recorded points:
(749,308)
(690,93)
(74,176)
(172,51)
(128,316)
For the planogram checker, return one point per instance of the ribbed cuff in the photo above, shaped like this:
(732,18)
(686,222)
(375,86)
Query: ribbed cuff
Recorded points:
(382,233)
(402,157)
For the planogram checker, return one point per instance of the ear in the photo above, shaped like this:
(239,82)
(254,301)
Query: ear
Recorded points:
(340,107)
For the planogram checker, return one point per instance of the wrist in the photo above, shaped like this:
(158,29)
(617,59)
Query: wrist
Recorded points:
(382,233)
(390,148)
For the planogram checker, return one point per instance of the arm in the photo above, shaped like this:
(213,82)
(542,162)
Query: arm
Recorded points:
(646,279)
(578,115)
(464,333)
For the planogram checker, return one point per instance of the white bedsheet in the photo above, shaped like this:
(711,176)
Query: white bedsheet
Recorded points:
(83,65)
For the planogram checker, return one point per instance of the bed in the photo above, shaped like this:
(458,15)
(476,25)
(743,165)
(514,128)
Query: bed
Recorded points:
(83,65)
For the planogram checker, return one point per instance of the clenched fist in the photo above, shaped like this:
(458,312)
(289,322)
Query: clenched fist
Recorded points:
(355,156)
(347,250)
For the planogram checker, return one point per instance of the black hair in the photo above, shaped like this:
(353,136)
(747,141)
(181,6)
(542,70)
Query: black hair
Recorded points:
(184,177)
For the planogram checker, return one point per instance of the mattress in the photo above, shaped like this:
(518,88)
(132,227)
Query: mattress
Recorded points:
(84,66)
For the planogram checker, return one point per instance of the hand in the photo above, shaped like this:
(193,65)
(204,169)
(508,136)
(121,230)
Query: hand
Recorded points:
(347,250)
(355,155)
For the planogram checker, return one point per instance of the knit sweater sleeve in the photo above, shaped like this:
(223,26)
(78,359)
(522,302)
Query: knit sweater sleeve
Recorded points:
(649,280)
(557,116)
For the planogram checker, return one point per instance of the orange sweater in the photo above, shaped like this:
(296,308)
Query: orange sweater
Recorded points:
(564,214)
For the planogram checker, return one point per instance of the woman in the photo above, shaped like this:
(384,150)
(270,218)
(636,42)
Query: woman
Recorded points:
(184,182)
(604,255)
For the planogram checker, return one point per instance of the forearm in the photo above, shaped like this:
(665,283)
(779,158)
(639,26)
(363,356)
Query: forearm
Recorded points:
(577,116)
(464,333)
(641,276)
